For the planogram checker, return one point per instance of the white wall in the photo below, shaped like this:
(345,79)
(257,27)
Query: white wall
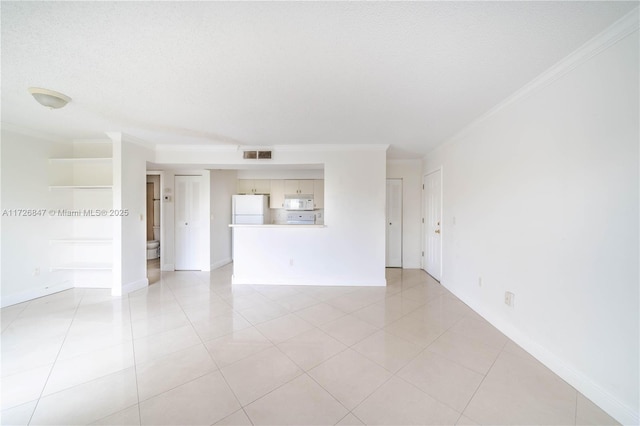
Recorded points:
(545,196)
(167,253)
(223,186)
(410,171)
(25,240)
(350,250)
(129,193)
(207,214)
(281,173)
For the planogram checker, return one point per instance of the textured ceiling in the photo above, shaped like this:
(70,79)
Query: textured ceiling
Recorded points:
(408,74)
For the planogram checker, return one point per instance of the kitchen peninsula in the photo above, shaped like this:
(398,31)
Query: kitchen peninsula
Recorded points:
(278,254)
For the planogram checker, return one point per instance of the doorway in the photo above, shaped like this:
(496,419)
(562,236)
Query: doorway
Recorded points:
(432,227)
(394,224)
(153,229)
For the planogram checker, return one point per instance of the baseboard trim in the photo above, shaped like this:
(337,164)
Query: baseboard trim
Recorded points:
(168,267)
(221,263)
(596,393)
(14,299)
(128,288)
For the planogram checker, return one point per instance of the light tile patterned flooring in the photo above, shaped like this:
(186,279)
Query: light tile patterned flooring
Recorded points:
(191,349)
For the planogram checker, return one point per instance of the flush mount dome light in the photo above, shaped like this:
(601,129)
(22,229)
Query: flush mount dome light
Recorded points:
(49,98)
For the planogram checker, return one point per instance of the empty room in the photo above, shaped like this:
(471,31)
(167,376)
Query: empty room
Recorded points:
(320,213)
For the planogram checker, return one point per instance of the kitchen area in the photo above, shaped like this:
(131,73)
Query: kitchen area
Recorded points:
(270,219)
(340,241)
(278,202)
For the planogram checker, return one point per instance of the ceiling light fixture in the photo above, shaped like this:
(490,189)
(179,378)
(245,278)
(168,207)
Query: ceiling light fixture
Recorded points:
(49,98)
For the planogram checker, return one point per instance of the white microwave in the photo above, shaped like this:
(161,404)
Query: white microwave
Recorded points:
(298,202)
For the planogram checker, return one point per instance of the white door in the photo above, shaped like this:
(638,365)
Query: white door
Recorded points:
(432,255)
(188,222)
(394,223)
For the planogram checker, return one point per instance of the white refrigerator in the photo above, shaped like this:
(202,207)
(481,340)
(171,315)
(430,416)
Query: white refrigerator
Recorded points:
(250,209)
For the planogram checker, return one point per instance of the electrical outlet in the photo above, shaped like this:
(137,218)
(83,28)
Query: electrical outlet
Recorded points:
(509,298)
(290,262)
(479,281)
(36,271)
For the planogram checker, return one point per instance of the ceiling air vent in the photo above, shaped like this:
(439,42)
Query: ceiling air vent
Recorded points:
(254,155)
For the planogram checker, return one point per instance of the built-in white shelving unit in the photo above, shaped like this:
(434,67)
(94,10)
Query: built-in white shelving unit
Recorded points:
(82,246)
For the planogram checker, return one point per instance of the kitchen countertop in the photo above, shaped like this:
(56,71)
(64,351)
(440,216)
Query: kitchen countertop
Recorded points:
(272,225)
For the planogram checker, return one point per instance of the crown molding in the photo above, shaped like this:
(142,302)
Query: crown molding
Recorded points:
(617,31)
(92,140)
(197,148)
(125,137)
(136,141)
(404,161)
(331,147)
(274,148)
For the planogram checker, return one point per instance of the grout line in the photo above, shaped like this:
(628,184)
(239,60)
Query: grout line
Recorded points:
(246,414)
(275,345)
(426,349)
(348,347)
(19,315)
(478,387)
(575,411)
(56,358)
(135,366)
(209,353)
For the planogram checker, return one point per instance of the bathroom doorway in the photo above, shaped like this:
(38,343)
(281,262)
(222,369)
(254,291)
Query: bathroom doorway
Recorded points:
(153,228)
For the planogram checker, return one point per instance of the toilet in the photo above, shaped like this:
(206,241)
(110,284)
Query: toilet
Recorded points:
(153,249)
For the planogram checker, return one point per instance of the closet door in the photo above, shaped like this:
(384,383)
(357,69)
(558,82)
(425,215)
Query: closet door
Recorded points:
(188,222)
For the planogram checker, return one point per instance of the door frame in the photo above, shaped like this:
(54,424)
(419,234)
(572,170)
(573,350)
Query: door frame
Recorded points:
(162,214)
(424,224)
(401,180)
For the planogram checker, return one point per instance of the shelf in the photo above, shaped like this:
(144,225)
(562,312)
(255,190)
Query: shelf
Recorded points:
(81,160)
(100,187)
(83,266)
(82,241)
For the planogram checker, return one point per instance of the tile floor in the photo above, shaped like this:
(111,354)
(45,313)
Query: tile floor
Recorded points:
(190,349)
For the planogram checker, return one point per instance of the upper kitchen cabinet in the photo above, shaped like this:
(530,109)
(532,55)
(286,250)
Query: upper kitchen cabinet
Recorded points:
(276,197)
(318,193)
(302,186)
(254,186)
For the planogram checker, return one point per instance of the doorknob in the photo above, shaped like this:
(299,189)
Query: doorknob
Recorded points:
(437,231)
